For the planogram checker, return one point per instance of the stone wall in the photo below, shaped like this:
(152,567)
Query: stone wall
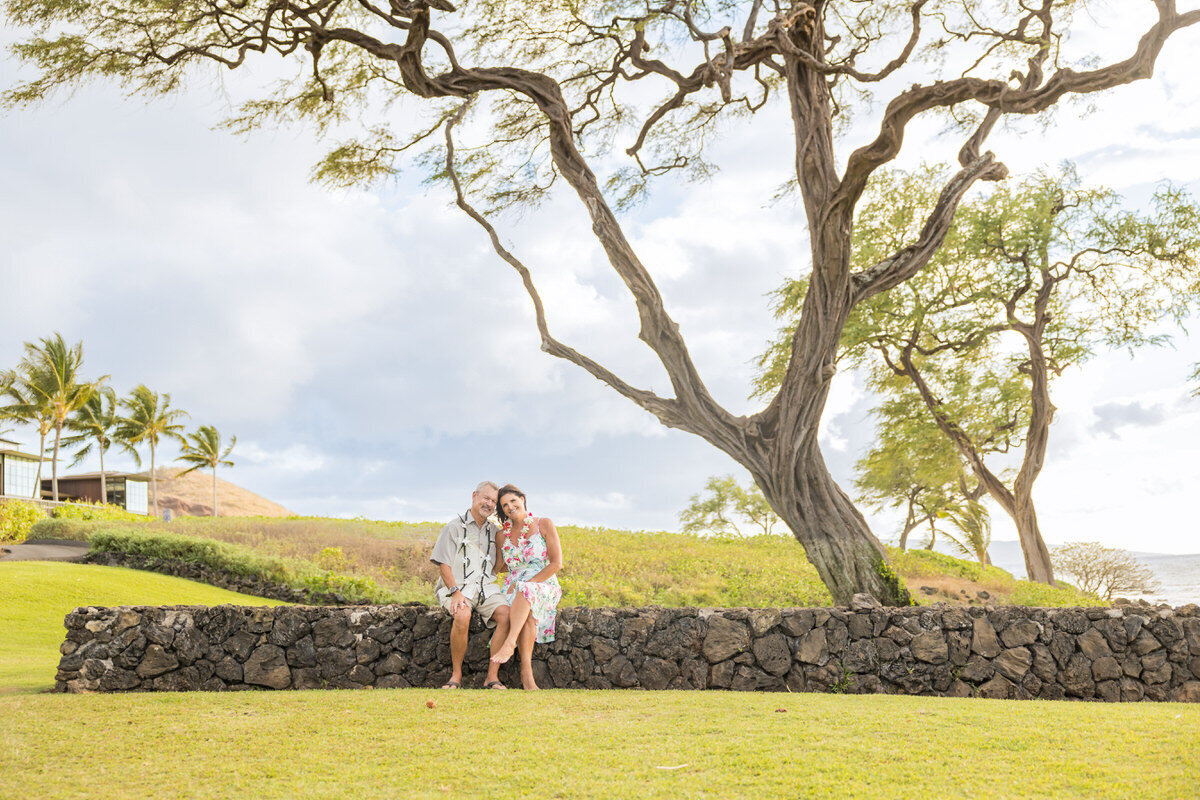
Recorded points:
(1114,654)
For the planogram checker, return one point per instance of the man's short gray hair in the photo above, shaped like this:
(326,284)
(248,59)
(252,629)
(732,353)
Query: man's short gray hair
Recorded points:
(479,488)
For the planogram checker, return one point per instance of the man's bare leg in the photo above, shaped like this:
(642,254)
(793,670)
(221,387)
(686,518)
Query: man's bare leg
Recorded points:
(458,643)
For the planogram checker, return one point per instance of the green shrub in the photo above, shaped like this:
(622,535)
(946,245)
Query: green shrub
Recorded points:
(17,518)
(76,530)
(237,560)
(927,563)
(97,511)
(1029,593)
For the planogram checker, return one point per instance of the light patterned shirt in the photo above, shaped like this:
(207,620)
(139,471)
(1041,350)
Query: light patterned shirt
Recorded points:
(470,552)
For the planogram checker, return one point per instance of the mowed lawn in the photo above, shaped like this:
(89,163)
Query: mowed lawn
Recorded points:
(580,744)
(36,595)
(556,744)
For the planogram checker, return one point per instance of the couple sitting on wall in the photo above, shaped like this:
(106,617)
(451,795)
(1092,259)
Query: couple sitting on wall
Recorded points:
(523,610)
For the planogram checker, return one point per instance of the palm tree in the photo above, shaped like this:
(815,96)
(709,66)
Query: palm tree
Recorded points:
(974,531)
(25,389)
(150,420)
(95,425)
(204,450)
(58,388)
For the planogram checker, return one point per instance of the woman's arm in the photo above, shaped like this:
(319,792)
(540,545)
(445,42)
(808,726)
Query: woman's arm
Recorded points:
(501,565)
(553,550)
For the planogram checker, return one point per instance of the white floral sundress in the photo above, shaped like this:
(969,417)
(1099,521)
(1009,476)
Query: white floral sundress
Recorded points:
(525,558)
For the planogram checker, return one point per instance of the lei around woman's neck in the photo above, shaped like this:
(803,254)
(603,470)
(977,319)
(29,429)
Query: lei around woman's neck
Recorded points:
(525,528)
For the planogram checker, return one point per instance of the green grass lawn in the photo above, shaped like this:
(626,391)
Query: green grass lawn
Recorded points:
(36,595)
(579,744)
(558,744)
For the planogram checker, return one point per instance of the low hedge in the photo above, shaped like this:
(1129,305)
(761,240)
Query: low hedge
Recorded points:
(98,511)
(240,561)
(77,530)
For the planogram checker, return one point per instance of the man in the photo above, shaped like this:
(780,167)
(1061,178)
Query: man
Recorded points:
(465,553)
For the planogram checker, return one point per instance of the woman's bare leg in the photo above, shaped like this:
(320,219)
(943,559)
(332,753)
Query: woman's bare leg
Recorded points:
(517,616)
(525,643)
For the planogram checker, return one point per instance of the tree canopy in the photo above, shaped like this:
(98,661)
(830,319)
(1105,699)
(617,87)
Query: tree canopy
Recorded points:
(562,89)
(1034,278)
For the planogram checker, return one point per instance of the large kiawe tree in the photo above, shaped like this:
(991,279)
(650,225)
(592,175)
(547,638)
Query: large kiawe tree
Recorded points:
(559,83)
(1035,279)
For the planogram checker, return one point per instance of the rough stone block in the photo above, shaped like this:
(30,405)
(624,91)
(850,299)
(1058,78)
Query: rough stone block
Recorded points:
(267,666)
(931,647)
(1014,663)
(984,641)
(724,639)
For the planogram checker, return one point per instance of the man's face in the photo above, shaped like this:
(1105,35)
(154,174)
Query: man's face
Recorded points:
(483,502)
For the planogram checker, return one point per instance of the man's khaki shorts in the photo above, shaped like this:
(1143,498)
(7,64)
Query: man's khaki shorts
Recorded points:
(485,607)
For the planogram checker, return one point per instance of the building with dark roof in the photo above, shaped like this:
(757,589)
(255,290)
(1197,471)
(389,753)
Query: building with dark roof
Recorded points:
(123,489)
(18,472)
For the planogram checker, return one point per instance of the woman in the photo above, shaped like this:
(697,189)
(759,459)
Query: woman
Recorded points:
(533,555)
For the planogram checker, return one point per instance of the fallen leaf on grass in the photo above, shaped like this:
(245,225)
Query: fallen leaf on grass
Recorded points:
(430,704)
(781,711)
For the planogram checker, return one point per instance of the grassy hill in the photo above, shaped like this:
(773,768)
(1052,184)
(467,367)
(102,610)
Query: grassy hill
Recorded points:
(389,562)
(36,595)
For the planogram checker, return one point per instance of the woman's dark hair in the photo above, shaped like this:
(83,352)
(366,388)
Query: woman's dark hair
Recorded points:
(508,489)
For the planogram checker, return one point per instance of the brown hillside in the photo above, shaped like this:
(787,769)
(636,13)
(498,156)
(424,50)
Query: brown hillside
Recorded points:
(191,496)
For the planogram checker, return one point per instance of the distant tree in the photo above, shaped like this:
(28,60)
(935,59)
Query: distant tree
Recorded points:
(25,404)
(150,419)
(724,501)
(560,90)
(48,384)
(1196,379)
(1105,571)
(911,466)
(95,427)
(203,449)
(972,534)
(1033,278)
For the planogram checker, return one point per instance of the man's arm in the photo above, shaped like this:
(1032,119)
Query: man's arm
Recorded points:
(457,598)
(443,549)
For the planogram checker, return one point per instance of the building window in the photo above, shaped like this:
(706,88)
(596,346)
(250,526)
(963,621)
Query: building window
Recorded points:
(20,476)
(137,497)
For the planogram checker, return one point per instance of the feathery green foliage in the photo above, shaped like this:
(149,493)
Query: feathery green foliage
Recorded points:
(203,449)
(95,425)
(714,512)
(150,419)
(1034,278)
(52,389)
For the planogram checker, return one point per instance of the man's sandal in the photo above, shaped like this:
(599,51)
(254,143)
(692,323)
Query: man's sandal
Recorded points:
(494,685)
(451,685)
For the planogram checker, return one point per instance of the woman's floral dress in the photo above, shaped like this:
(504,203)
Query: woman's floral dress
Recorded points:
(526,557)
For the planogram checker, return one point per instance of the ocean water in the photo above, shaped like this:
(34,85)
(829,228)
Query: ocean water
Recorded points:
(1178,575)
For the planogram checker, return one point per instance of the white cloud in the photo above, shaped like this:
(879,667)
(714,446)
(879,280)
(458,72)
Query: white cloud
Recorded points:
(376,357)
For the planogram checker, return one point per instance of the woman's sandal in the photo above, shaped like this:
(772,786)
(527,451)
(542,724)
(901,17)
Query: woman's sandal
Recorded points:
(494,685)
(451,685)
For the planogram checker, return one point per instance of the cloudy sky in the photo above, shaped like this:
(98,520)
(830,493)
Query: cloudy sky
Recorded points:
(374,358)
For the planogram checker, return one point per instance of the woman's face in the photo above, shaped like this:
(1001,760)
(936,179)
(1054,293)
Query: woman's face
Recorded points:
(513,506)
